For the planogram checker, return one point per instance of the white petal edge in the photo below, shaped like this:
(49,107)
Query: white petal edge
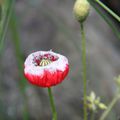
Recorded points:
(59,64)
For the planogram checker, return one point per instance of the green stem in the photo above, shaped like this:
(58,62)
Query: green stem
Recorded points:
(84,69)
(106,18)
(6,9)
(54,113)
(108,10)
(16,42)
(92,115)
(113,102)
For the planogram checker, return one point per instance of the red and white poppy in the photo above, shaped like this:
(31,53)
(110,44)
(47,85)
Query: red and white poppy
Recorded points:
(46,68)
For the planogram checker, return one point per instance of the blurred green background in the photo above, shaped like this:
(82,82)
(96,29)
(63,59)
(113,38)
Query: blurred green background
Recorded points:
(43,25)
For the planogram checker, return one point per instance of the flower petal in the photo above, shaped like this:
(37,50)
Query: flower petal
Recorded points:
(49,75)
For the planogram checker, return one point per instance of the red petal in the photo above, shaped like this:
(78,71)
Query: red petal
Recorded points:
(48,78)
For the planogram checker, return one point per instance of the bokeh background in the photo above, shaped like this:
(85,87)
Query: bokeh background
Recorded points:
(45,25)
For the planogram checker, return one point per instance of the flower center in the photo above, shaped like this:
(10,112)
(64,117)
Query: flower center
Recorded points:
(45,61)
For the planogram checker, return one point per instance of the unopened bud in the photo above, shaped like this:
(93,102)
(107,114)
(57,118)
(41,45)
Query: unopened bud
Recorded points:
(81,10)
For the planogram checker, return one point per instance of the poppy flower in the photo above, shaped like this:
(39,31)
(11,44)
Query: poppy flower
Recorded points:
(46,68)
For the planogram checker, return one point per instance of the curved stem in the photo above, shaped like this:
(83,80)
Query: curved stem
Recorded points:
(108,10)
(54,113)
(113,102)
(84,69)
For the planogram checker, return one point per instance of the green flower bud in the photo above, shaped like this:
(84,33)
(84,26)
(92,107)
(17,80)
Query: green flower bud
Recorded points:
(81,10)
(93,102)
(102,106)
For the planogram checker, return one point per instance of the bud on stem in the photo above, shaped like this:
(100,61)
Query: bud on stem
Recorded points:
(81,10)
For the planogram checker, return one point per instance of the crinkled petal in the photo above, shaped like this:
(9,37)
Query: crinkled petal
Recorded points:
(46,76)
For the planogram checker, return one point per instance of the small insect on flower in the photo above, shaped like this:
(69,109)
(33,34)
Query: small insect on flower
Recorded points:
(46,68)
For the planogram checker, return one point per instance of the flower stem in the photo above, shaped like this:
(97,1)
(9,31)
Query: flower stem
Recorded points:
(92,115)
(113,102)
(54,113)
(84,69)
(108,10)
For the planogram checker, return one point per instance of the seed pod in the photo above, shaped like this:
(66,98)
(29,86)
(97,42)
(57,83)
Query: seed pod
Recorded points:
(81,10)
